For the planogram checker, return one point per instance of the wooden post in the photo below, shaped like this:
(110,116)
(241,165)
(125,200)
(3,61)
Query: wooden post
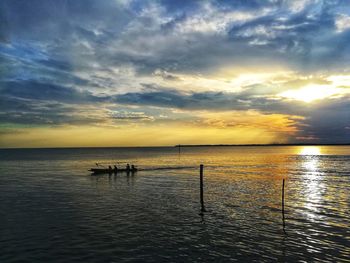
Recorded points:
(283,219)
(283,196)
(201,187)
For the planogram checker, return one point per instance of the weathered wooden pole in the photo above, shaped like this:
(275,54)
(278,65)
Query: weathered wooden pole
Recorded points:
(283,196)
(201,167)
(284,224)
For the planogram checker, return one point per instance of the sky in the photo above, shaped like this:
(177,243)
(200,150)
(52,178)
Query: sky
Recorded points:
(162,72)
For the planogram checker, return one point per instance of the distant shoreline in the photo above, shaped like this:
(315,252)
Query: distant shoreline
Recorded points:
(240,145)
(183,145)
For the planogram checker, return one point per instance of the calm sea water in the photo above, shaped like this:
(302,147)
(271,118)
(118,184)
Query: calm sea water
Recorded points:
(53,210)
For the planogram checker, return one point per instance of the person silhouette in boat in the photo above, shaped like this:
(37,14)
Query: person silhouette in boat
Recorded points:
(115,168)
(128,168)
(110,168)
(133,168)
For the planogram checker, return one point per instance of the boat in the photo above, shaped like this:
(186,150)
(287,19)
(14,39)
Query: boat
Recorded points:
(111,171)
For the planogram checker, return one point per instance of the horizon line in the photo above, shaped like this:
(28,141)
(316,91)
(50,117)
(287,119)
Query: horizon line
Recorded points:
(186,145)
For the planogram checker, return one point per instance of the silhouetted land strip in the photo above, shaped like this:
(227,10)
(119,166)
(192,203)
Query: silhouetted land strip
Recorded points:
(288,144)
(165,146)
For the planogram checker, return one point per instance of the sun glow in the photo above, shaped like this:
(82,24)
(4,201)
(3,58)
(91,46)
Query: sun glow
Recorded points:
(311,92)
(310,150)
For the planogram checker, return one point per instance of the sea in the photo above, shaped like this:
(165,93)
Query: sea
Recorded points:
(53,210)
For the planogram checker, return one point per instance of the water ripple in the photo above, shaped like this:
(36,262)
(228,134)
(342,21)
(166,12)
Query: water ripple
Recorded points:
(51,210)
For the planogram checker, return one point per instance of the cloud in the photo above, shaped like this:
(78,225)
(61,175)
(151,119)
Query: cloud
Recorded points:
(165,97)
(329,122)
(157,36)
(15,111)
(111,62)
(342,22)
(131,116)
(46,92)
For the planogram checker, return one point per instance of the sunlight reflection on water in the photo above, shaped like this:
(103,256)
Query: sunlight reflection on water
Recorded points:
(314,185)
(310,150)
